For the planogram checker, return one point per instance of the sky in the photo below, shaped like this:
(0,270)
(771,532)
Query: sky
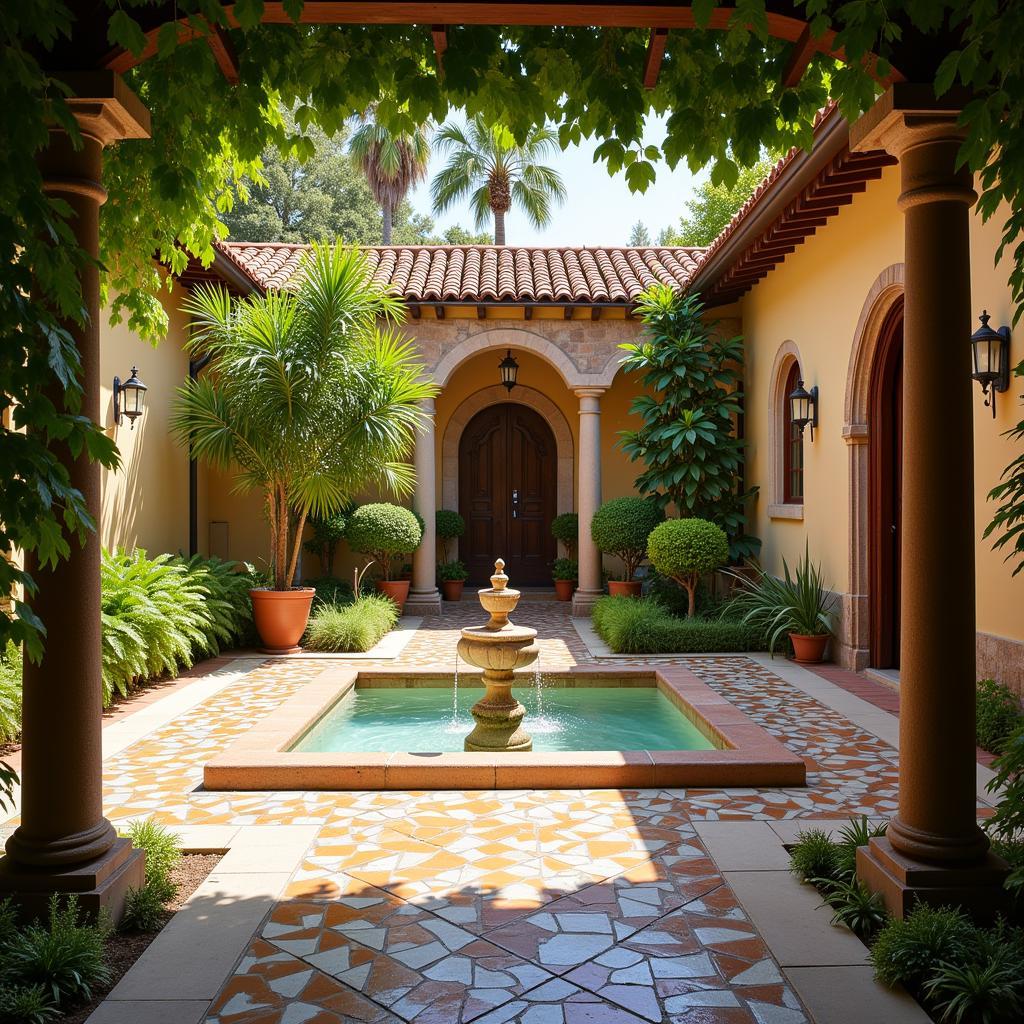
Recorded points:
(599,209)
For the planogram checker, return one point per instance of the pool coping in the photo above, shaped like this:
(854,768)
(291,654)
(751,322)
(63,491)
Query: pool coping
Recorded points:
(747,755)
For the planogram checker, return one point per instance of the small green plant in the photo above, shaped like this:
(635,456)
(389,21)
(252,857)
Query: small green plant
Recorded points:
(1007,824)
(10,692)
(64,956)
(26,1004)
(989,990)
(905,951)
(998,713)
(798,603)
(383,532)
(144,909)
(621,527)
(355,627)
(814,857)
(163,853)
(565,569)
(855,905)
(328,532)
(858,832)
(686,550)
(452,571)
(566,528)
(448,526)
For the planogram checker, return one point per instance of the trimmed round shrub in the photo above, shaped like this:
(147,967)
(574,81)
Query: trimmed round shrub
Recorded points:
(566,528)
(621,527)
(686,550)
(448,525)
(384,531)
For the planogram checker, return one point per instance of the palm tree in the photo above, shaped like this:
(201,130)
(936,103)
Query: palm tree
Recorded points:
(392,161)
(310,399)
(486,164)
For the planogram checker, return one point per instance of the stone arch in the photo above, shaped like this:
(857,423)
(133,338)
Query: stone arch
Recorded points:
(495,395)
(883,294)
(505,337)
(785,357)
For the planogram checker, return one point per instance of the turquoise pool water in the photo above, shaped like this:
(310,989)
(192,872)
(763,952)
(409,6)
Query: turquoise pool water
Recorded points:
(423,720)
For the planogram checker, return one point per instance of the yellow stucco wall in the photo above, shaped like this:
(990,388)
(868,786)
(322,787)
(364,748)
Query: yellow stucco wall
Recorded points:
(145,502)
(814,300)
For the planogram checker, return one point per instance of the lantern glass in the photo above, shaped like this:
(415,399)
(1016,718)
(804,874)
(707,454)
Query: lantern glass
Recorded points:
(986,346)
(509,370)
(131,396)
(800,405)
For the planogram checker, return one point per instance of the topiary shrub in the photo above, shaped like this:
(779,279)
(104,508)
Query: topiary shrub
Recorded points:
(383,531)
(686,550)
(998,713)
(906,951)
(328,532)
(566,528)
(621,527)
(448,525)
(354,627)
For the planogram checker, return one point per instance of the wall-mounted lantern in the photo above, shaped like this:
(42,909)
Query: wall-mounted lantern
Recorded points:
(129,398)
(991,352)
(803,407)
(509,370)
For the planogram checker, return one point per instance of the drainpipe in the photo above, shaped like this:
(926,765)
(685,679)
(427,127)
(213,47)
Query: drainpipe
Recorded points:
(194,368)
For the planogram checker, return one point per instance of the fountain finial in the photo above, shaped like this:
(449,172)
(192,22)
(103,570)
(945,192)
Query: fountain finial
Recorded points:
(499,581)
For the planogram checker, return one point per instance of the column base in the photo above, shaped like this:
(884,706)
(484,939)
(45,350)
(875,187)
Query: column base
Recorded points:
(423,602)
(584,600)
(100,884)
(904,882)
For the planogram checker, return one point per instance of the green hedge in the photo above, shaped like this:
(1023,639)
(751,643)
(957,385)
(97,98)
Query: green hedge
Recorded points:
(630,626)
(352,627)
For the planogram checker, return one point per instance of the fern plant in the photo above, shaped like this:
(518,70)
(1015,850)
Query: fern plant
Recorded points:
(10,693)
(228,606)
(154,618)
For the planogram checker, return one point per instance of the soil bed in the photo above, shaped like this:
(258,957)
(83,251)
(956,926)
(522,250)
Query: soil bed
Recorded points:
(124,949)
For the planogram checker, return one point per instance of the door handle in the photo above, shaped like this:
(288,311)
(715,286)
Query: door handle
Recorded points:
(515,503)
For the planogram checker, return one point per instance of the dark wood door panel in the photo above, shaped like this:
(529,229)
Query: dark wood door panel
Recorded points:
(507,489)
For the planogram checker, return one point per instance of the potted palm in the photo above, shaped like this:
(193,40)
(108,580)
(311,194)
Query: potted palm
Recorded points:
(621,527)
(382,531)
(798,606)
(565,572)
(453,578)
(310,397)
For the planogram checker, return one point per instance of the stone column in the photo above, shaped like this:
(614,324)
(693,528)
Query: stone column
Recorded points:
(589,499)
(934,849)
(423,596)
(64,843)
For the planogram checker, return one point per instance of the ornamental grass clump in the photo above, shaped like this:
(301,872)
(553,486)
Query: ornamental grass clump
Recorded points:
(311,396)
(383,532)
(355,627)
(621,527)
(146,908)
(687,550)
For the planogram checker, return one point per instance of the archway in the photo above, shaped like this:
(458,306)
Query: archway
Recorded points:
(884,484)
(507,468)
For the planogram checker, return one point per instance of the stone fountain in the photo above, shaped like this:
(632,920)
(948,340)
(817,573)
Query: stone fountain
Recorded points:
(498,647)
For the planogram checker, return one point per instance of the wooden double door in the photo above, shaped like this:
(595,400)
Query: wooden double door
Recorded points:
(508,483)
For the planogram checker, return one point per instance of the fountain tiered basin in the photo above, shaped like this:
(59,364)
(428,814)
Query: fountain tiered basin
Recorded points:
(592,727)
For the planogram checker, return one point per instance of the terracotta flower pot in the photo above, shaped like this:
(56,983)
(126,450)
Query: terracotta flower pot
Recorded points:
(281,617)
(624,588)
(397,590)
(564,589)
(808,650)
(452,589)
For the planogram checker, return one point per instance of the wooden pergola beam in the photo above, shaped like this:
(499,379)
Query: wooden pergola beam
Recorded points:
(804,50)
(655,53)
(223,53)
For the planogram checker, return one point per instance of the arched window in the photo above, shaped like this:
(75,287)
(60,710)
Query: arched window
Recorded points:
(792,444)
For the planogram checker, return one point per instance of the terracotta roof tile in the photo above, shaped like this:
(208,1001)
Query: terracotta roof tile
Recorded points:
(487,273)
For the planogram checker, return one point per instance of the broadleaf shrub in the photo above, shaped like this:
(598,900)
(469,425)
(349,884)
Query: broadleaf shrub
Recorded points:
(354,627)
(621,527)
(644,626)
(686,550)
(998,714)
(384,531)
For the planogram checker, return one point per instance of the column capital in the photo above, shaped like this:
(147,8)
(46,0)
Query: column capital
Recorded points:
(907,115)
(428,406)
(104,107)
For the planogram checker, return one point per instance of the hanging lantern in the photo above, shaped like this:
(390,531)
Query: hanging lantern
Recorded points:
(129,398)
(509,370)
(803,407)
(991,354)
